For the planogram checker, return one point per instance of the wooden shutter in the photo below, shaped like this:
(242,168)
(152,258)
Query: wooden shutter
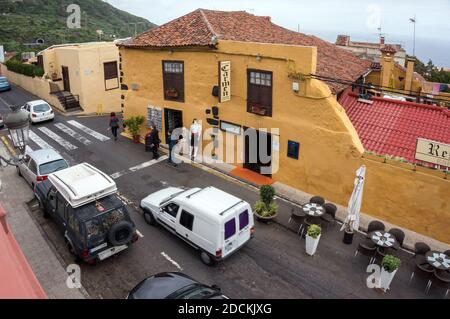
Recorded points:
(110,69)
(173,80)
(259,94)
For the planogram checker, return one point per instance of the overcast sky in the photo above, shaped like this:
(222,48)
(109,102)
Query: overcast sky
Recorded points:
(327,18)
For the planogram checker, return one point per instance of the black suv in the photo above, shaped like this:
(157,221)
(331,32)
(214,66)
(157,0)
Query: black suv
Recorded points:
(94,231)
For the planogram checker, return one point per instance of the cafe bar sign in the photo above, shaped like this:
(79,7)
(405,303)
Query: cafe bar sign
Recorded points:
(433,152)
(224,81)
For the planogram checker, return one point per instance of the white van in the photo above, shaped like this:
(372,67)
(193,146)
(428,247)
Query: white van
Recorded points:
(214,222)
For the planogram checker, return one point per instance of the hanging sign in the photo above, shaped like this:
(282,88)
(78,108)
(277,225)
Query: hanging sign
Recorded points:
(224,81)
(433,152)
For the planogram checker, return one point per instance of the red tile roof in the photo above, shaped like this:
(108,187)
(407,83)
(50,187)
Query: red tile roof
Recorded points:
(389,127)
(198,27)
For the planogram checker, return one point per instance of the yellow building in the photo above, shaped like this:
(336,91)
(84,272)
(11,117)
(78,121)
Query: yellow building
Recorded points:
(87,72)
(239,73)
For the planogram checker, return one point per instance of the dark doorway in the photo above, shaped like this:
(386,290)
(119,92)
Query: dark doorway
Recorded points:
(65,76)
(172,119)
(258,151)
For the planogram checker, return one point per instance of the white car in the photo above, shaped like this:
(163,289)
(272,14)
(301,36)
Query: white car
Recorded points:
(39,110)
(37,165)
(212,221)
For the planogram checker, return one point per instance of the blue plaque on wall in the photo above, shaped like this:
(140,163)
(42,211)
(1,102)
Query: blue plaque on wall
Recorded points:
(293,149)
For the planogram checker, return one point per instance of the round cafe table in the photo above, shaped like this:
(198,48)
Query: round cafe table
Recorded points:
(438,260)
(383,239)
(313,209)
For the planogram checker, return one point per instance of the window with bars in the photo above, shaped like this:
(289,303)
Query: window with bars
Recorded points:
(259,92)
(110,69)
(173,78)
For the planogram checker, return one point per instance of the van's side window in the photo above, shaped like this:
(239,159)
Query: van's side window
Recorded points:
(186,219)
(171,209)
(230,228)
(243,219)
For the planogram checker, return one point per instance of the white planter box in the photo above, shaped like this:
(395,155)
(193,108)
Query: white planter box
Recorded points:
(386,278)
(311,244)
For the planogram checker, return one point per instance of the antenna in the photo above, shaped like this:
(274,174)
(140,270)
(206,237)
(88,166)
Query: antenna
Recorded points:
(414,20)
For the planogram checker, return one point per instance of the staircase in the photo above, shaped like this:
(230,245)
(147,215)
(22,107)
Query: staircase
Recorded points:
(69,101)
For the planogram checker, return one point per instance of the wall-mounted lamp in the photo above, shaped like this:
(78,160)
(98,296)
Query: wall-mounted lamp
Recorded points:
(258,57)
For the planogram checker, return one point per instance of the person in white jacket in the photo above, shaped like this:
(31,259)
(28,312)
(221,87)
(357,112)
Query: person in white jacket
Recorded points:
(195,132)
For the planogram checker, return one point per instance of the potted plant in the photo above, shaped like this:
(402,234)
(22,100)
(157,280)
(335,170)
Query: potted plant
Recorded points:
(389,267)
(134,126)
(265,209)
(313,234)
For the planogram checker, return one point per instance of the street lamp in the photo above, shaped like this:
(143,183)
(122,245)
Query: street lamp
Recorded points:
(18,124)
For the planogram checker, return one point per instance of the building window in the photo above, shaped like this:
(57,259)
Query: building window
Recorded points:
(259,92)
(173,78)
(111,75)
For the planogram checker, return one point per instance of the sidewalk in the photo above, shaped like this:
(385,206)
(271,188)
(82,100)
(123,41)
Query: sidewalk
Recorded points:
(14,195)
(299,197)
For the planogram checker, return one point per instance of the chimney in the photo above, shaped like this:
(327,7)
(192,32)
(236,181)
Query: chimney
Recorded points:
(409,74)
(382,39)
(387,71)
(343,40)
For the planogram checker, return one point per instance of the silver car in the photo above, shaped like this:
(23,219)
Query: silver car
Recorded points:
(38,164)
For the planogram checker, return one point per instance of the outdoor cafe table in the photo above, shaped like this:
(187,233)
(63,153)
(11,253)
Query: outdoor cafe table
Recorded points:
(313,209)
(438,260)
(383,239)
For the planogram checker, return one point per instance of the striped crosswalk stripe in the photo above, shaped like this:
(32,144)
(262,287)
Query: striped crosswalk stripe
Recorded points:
(58,139)
(87,130)
(72,133)
(39,141)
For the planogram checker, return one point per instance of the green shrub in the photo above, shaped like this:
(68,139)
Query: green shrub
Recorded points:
(264,210)
(266,194)
(314,231)
(31,70)
(390,263)
(134,124)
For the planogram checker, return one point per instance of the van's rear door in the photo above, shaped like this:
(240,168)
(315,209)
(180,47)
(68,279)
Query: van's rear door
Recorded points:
(230,235)
(245,223)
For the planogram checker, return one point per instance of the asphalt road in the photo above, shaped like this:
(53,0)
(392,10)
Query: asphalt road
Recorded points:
(272,265)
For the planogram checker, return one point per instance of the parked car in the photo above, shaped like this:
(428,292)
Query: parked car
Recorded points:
(174,285)
(212,221)
(37,165)
(39,110)
(4,84)
(2,124)
(83,202)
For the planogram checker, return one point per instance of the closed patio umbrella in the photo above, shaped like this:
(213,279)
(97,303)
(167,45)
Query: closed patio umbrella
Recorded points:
(354,205)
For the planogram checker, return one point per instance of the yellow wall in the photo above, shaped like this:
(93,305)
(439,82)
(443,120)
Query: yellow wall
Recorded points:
(330,150)
(85,63)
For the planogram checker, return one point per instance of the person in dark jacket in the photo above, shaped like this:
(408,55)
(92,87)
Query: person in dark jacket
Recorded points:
(152,141)
(114,124)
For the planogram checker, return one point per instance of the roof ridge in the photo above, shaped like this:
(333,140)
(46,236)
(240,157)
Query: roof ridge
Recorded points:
(208,24)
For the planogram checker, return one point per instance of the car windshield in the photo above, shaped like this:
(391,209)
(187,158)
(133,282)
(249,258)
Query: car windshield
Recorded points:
(51,167)
(100,225)
(198,292)
(41,108)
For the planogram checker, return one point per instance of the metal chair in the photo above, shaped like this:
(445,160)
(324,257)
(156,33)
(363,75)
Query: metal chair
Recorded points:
(375,225)
(367,248)
(423,272)
(447,252)
(420,249)
(442,280)
(317,200)
(313,220)
(299,219)
(330,213)
(398,234)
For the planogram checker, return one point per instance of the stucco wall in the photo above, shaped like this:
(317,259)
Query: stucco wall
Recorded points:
(330,149)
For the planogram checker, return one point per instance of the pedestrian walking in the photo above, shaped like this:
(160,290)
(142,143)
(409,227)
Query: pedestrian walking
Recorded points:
(114,125)
(152,141)
(195,133)
(173,141)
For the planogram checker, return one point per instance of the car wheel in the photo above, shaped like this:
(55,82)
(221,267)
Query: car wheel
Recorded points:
(207,259)
(149,219)
(18,172)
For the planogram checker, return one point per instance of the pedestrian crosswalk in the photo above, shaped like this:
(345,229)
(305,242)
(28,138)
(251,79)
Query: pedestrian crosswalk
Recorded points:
(60,135)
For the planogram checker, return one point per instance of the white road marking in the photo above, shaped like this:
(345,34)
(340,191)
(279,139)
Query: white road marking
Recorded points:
(147,164)
(173,262)
(138,167)
(139,233)
(72,133)
(39,141)
(28,149)
(58,139)
(89,131)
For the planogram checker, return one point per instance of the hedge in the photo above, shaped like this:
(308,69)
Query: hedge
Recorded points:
(25,69)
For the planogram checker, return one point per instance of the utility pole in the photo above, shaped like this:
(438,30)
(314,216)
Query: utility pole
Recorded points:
(135,26)
(413,20)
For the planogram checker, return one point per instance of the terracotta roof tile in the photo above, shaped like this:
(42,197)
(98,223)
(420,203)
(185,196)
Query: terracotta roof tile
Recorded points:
(198,27)
(392,127)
